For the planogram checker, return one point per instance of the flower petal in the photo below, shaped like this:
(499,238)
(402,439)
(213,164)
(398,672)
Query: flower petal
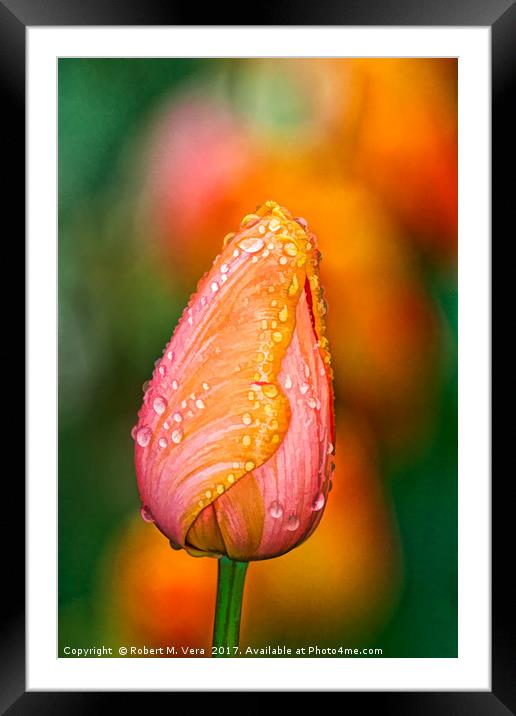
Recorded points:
(214,410)
(283,500)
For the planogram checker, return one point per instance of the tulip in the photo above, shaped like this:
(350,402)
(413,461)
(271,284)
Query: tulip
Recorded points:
(234,442)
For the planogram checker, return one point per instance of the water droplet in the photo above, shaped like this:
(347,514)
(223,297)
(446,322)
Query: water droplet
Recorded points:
(252,245)
(247,419)
(318,502)
(146,514)
(143,436)
(270,391)
(292,289)
(246,440)
(224,268)
(306,369)
(177,435)
(178,417)
(200,404)
(175,385)
(249,220)
(330,449)
(275,509)
(145,386)
(290,249)
(303,388)
(166,426)
(162,443)
(263,324)
(227,238)
(214,287)
(231,478)
(288,382)
(274,225)
(312,403)
(220,489)
(134,431)
(223,278)
(249,466)
(302,222)
(283,260)
(277,337)
(159,404)
(207,494)
(170,355)
(283,314)
(292,523)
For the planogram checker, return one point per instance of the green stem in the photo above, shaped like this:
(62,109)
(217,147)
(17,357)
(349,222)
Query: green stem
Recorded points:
(230,590)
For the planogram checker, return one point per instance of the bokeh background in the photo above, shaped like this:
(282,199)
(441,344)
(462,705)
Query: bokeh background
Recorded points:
(158,160)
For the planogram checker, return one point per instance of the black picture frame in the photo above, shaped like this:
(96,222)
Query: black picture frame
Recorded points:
(500,15)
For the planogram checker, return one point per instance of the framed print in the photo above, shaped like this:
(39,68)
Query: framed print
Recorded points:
(258,355)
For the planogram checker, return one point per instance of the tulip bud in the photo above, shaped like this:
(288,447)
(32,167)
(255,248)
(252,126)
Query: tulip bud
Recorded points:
(235,436)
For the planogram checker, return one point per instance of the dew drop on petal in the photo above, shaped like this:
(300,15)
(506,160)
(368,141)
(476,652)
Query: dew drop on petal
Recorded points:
(318,502)
(290,249)
(178,417)
(275,509)
(146,514)
(134,431)
(214,287)
(303,388)
(251,245)
(288,382)
(159,404)
(177,435)
(270,391)
(247,419)
(162,443)
(175,385)
(143,436)
(200,404)
(170,355)
(292,523)
(224,268)
(330,449)
(302,222)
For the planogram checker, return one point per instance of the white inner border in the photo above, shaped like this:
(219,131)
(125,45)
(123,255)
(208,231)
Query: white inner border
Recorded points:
(471,670)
